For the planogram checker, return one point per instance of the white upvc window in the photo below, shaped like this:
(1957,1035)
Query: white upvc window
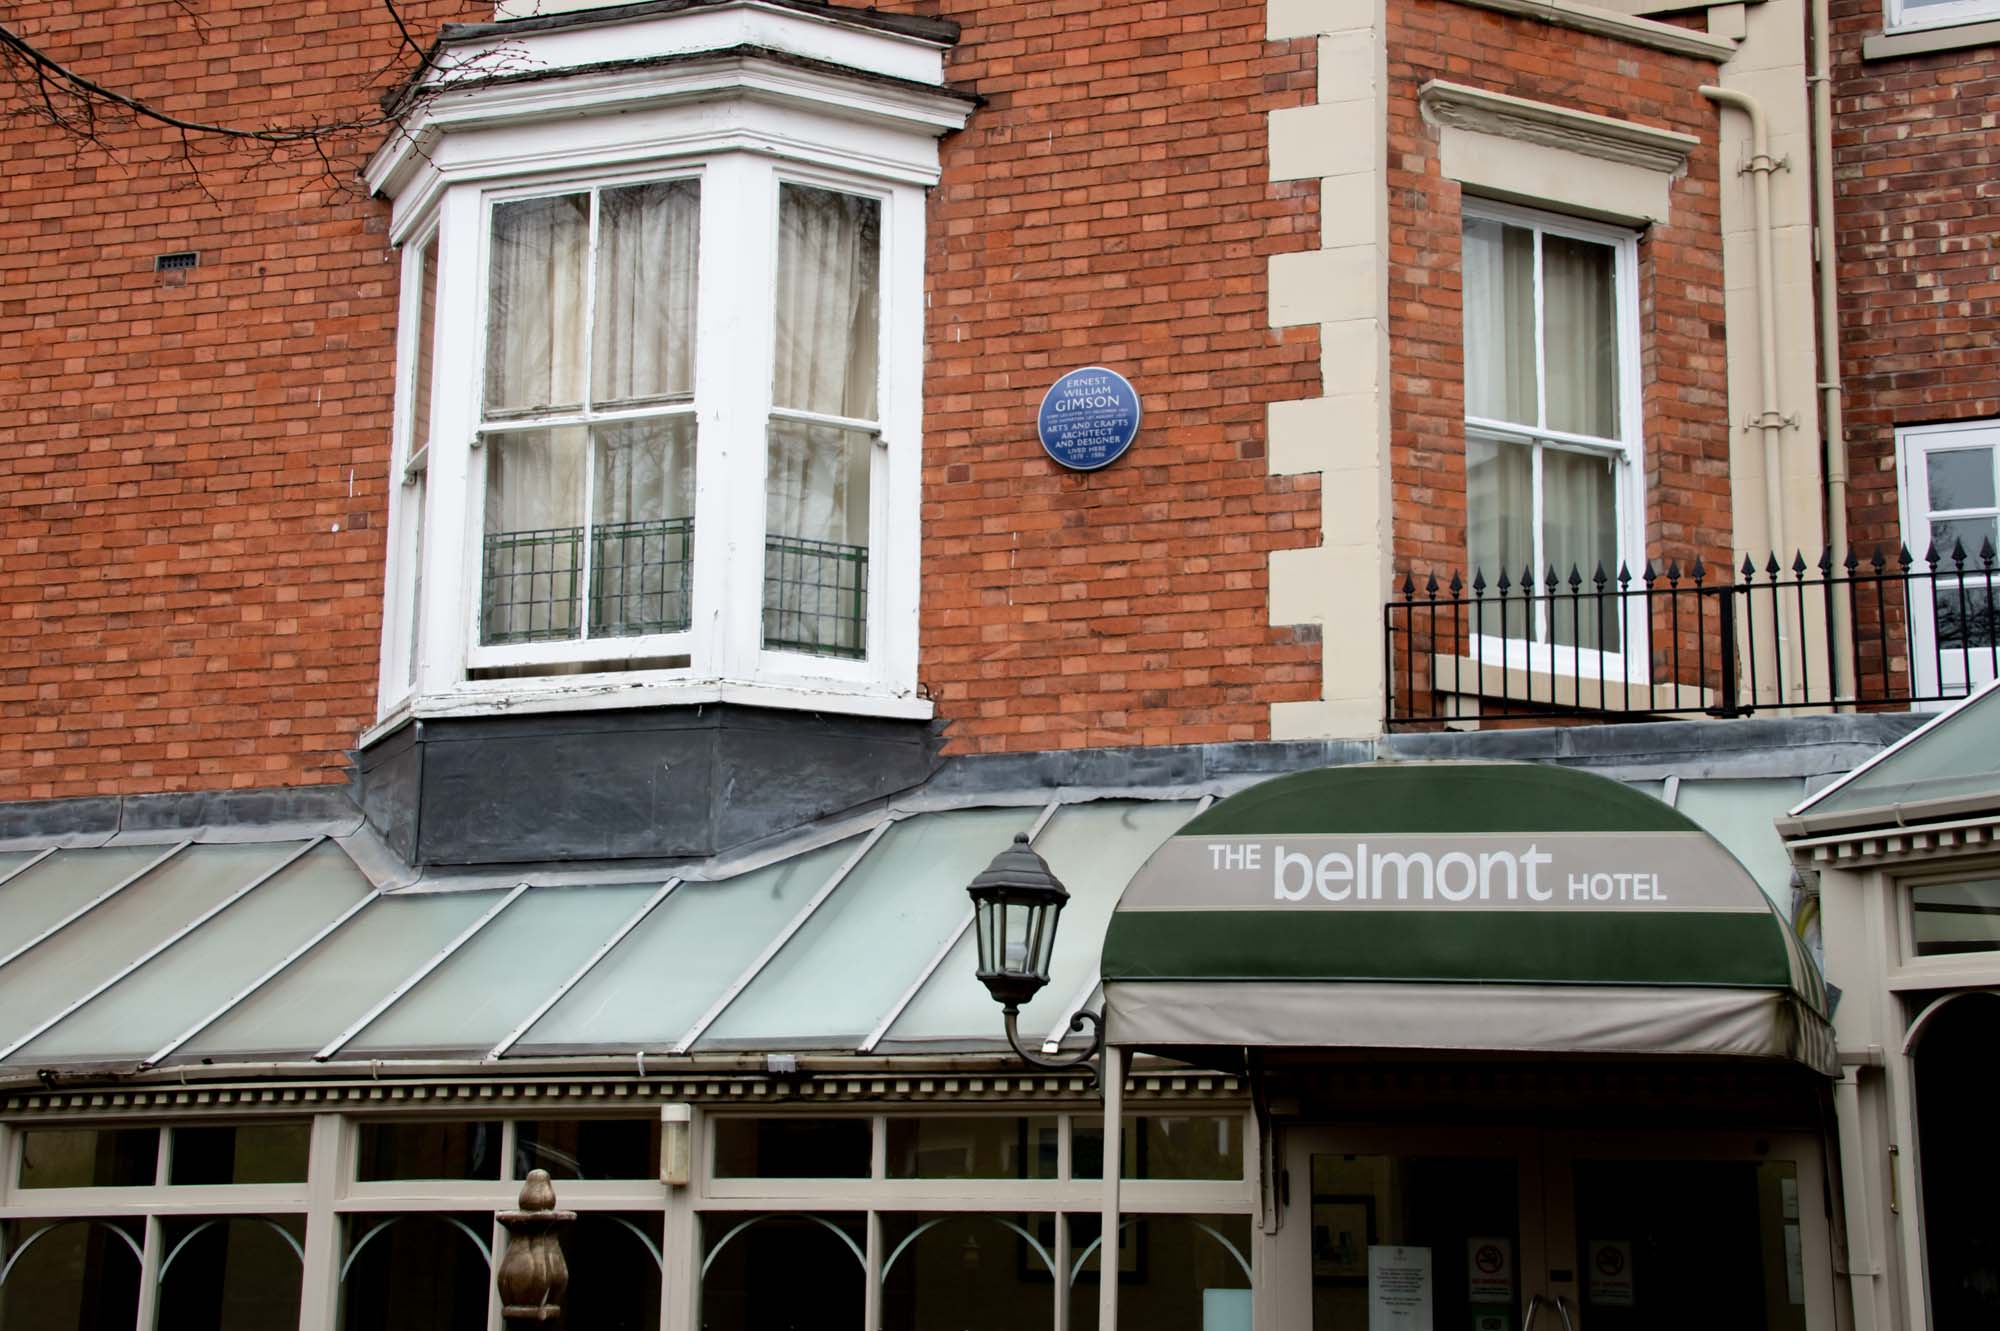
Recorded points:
(1949,477)
(1552,436)
(660,410)
(1914,15)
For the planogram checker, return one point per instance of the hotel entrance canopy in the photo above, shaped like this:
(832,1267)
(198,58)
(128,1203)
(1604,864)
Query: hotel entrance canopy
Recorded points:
(1501,908)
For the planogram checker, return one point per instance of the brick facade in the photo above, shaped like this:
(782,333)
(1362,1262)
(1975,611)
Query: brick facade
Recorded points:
(193,497)
(1682,349)
(1915,165)
(192,479)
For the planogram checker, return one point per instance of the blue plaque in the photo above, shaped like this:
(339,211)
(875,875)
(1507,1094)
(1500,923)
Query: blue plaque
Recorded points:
(1089,418)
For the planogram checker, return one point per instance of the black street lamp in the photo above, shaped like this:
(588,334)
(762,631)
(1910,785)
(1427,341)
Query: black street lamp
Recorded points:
(1016,902)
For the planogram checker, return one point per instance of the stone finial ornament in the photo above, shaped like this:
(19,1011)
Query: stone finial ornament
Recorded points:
(533,1276)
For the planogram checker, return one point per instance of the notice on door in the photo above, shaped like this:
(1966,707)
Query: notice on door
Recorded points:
(1399,1288)
(1489,1270)
(1610,1272)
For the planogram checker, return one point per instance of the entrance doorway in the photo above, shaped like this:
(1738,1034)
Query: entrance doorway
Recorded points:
(1474,1229)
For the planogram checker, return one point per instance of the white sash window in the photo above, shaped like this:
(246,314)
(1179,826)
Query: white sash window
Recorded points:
(1552,434)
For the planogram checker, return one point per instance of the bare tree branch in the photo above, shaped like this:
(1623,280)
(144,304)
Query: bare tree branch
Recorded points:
(53,79)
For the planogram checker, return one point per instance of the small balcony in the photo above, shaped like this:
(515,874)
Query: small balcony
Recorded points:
(1884,632)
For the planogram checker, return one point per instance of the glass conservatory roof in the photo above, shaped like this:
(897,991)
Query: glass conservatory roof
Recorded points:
(854,940)
(284,951)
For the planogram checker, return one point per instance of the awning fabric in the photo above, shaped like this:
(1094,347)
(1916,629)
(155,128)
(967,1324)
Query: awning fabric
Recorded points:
(1457,906)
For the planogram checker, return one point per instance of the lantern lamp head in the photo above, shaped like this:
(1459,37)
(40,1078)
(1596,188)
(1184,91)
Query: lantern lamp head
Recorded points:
(1016,902)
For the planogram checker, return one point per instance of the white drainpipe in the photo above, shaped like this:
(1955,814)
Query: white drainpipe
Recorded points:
(1769,420)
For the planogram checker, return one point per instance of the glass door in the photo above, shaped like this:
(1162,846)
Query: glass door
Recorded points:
(1413,1231)
(1523,1230)
(1666,1231)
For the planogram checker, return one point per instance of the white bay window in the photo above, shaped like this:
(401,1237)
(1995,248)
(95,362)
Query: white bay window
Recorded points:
(1552,431)
(659,413)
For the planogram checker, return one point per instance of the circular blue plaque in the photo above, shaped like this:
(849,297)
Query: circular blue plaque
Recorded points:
(1089,418)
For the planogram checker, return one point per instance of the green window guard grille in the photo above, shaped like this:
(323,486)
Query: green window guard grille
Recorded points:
(641,574)
(815,596)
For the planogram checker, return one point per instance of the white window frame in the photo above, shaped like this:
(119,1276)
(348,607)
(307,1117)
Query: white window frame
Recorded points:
(1896,14)
(333,1201)
(408,483)
(1959,671)
(742,125)
(1633,662)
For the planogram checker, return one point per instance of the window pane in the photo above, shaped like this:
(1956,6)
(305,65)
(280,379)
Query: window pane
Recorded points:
(614,1272)
(792,1147)
(81,1275)
(1950,918)
(322,993)
(89,1157)
(1949,533)
(829,290)
(416,1273)
(1959,478)
(777,1272)
(41,983)
(1175,1272)
(648,237)
(1004,1148)
(977,1272)
(534,535)
(1456,1209)
(1499,511)
(417,496)
(241,1153)
(1499,265)
(1966,615)
(665,973)
(239,1274)
(420,380)
(589,1148)
(535,304)
(642,527)
(190,980)
(1580,333)
(428,1150)
(816,539)
(1580,532)
(1203,1146)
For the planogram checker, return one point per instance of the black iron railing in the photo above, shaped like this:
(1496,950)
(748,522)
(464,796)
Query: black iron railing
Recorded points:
(815,596)
(1694,640)
(640,580)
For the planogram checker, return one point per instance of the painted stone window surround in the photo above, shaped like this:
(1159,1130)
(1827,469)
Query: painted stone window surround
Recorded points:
(706,130)
(1564,161)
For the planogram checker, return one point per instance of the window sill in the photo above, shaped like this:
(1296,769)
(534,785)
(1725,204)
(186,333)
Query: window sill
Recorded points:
(588,694)
(1923,41)
(1468,681)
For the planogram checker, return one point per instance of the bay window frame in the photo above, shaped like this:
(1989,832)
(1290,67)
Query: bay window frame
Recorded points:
(1632,662)
(733,402)
(633,96)
(489,425)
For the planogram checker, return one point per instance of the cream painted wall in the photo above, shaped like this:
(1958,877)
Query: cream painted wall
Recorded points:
(1770,66)
(1343,287)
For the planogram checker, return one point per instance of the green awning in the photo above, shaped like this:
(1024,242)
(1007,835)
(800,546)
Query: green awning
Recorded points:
(1457,906)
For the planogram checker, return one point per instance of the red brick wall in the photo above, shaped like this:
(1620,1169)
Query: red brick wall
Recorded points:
(1686,450)
(193,474)
(1111,205)
(1917,207)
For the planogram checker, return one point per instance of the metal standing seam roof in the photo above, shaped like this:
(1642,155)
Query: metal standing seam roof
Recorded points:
(285,951)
